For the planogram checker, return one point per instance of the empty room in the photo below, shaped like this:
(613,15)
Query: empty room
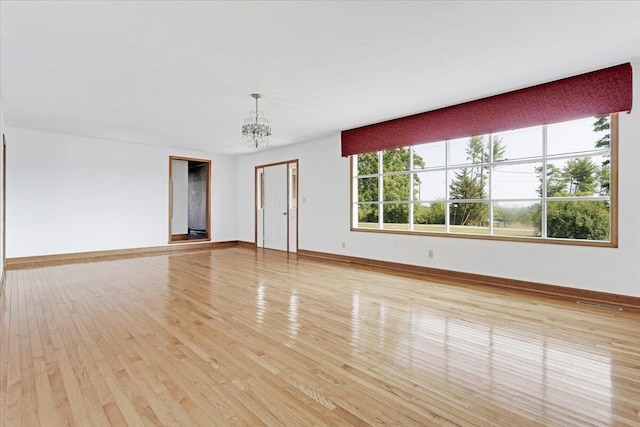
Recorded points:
(319,213)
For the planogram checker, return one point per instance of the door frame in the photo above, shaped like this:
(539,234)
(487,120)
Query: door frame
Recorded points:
(256,194)
(207,162)
(4,205)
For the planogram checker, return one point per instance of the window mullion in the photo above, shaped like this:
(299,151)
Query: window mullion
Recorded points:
(543,185)
(380,191)
(446,187)
(489,186)
(411,201)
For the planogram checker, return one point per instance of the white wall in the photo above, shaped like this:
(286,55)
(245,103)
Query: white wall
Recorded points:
(180,192)
(324,223)
(68,194)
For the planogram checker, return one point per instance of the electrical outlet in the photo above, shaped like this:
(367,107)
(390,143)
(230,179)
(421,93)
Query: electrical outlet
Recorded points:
(344,245)
(430,254)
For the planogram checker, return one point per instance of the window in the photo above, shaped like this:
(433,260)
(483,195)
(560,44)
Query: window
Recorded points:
(260,190)
(543,183)
(293,187)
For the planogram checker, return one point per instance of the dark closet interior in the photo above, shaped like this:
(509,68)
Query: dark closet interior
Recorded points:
(197,228)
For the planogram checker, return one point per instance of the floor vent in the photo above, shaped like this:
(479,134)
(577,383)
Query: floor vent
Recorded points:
(605,306)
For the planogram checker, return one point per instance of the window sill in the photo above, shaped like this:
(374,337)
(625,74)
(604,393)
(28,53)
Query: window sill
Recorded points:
(570,242)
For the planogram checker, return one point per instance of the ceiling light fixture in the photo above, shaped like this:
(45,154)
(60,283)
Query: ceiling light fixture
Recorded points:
(256,130)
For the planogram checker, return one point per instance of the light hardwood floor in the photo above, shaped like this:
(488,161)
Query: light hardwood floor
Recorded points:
(239,337)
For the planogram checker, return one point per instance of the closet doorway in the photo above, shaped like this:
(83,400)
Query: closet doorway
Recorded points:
(189,199)
(276,206)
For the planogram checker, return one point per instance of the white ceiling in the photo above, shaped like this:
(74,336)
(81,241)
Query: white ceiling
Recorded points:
(179,74)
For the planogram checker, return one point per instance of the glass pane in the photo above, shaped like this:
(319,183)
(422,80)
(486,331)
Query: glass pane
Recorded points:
(367,163)
(368,189)
(517,219)
(430,185)
(516,181)
(469,218)
(603,179)
(429,155)
(293,191)
(556,183)
(396,160)
(429,217)
(261,190)
(395,216)
(588,220)
(518,144)
(396,188)
(583,176)
(578,135)
(468,183)
(466,151)
(367,215)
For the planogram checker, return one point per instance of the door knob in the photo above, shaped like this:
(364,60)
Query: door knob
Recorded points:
(284,213)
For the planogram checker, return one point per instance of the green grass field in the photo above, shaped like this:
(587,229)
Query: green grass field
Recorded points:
(460,229)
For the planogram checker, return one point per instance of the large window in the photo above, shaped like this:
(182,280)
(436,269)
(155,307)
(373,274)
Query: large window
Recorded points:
(545,183)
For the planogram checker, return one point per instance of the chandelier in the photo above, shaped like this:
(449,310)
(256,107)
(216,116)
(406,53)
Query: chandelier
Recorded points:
(256,130)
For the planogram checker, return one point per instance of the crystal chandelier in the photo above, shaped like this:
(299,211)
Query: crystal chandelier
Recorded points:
(256,130)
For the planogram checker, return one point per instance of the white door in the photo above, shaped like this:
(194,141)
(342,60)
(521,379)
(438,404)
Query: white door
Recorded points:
(275,207)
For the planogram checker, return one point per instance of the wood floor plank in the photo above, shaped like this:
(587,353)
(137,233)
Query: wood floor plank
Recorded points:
(47,415)
(102,378)
(13,392)
(5,343)
(241,337)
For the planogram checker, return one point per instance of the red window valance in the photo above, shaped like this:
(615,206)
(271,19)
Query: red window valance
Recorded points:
(599,92)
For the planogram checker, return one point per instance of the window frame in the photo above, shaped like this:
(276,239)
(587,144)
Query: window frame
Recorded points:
(544,199)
